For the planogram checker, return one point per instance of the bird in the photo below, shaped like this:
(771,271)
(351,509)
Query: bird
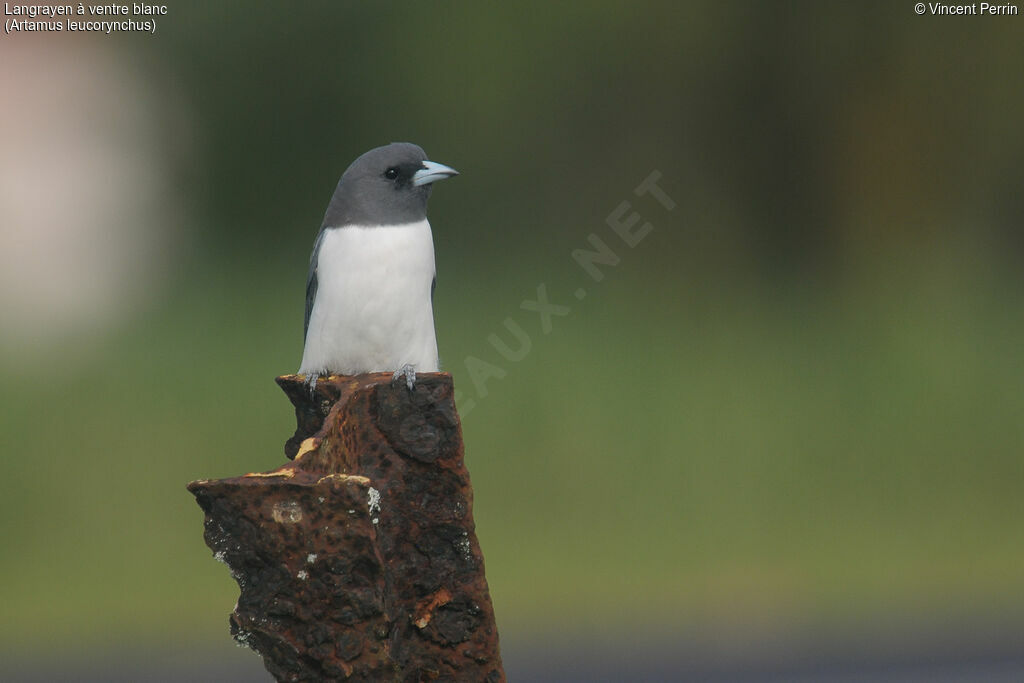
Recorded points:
(370,287)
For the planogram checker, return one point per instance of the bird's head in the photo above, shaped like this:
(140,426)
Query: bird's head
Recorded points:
(388,185)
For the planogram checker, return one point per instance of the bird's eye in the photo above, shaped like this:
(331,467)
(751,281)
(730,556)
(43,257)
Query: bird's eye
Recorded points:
(391,173)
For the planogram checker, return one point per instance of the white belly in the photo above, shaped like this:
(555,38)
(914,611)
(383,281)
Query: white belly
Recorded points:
(372,311)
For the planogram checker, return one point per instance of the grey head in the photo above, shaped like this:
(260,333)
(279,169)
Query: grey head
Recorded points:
(388,185)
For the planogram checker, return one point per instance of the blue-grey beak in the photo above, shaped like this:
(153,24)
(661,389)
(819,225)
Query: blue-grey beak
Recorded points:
(432,171)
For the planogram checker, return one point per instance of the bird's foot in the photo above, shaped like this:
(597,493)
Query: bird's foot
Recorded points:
(311,379)
(409,372)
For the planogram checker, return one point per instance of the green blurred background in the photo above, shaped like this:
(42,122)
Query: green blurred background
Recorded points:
(794,406)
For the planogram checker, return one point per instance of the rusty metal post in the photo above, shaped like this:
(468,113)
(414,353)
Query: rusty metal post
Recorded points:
(359,560)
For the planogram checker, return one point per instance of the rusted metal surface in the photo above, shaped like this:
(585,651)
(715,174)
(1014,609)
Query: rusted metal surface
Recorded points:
(359,559)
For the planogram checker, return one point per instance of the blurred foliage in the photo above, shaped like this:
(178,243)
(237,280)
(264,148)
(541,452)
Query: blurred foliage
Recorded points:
(797,399)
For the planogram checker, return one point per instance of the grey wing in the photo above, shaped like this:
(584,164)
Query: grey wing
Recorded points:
(311,281)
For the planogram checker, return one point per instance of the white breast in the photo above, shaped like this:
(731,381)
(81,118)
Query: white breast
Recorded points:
(372,311)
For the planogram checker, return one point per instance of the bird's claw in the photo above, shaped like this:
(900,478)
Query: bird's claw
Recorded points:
(409,372)
(311,383)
